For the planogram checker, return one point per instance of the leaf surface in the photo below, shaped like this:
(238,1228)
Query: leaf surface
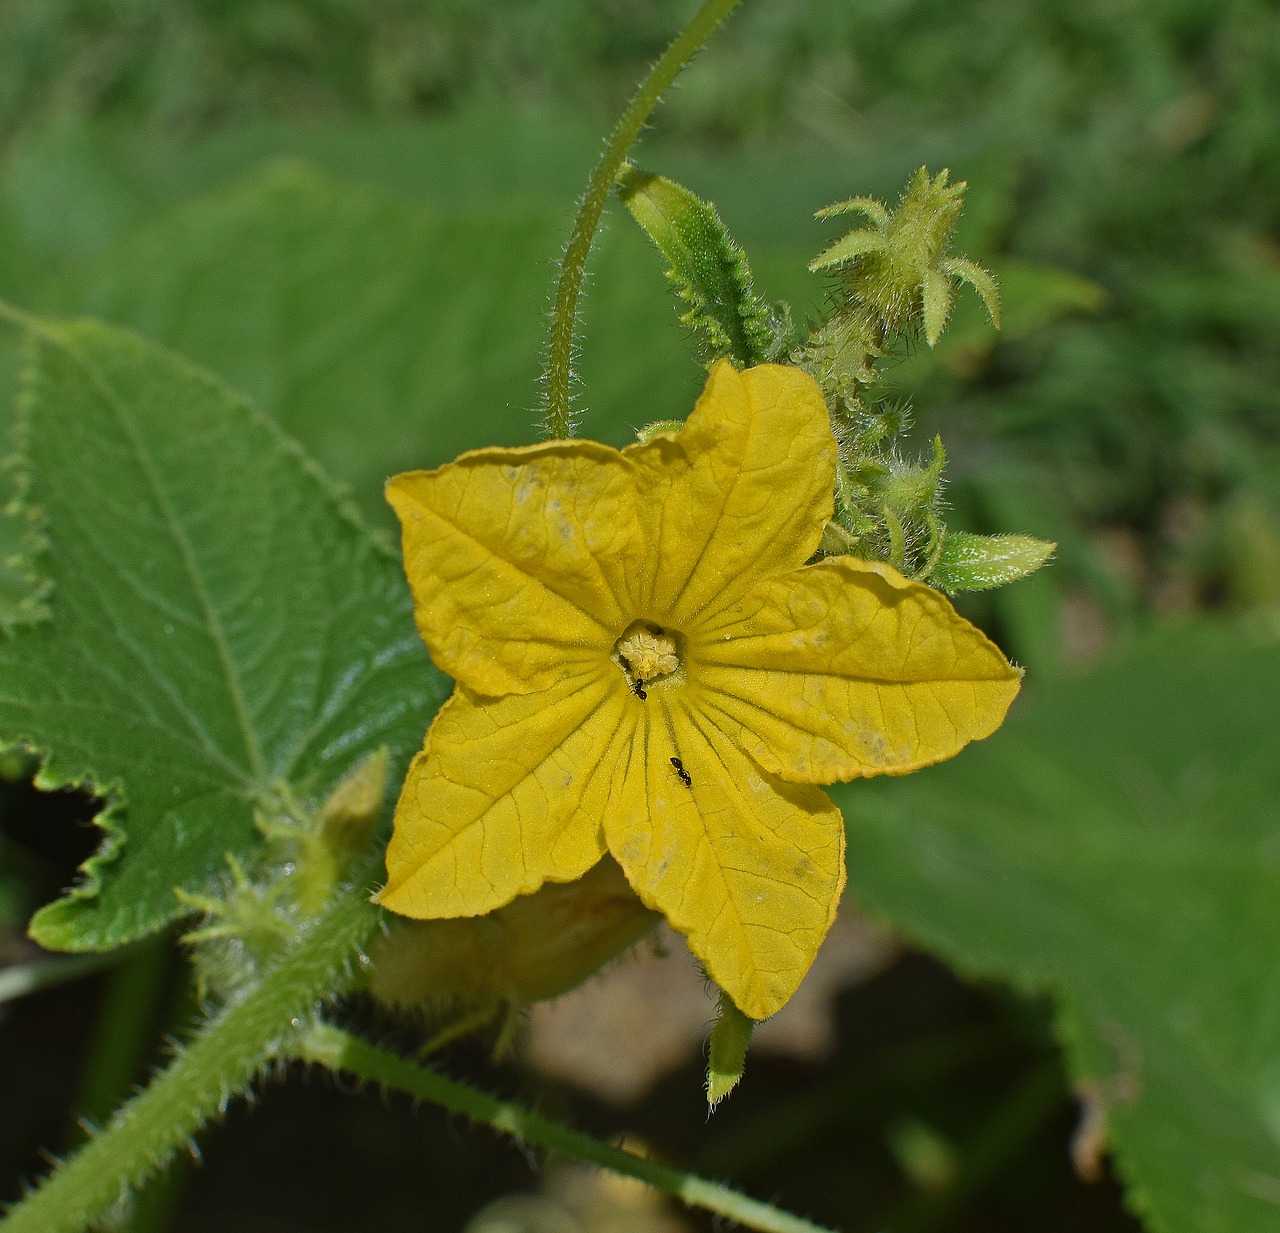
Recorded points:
(368,326)
(387,334)
(221,625)
(19,581)
(1119,845)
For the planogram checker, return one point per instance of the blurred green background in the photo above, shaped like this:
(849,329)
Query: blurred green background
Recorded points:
(351,211)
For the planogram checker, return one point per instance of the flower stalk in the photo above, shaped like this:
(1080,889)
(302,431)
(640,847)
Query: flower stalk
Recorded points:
(335,1049)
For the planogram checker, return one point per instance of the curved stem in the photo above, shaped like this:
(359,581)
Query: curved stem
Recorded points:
(204,1077)
(338,1050)
(558,375)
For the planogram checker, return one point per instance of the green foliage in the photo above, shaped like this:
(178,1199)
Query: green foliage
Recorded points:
(359,317)
(223,628)
(896,274)
(186,66)
(895,284)
(978,562)
(22,589)
(711,274)
(1114,845)
(366,321)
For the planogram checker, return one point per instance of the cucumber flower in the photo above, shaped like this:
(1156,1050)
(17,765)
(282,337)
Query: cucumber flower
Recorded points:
(646,666)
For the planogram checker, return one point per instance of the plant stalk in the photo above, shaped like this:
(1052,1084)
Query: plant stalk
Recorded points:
(205,1075)
(338,1050)
(558,374)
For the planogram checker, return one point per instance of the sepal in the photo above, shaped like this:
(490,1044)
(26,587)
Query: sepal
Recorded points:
(727,1054)
(979,562)
(710,272)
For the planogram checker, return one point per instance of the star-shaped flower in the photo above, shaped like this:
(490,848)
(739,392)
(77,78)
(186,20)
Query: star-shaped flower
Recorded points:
(646,666)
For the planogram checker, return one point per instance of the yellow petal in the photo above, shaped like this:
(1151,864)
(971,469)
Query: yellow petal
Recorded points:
(517,559)
(506,794)
(844,669)
(749,868)
(742,491)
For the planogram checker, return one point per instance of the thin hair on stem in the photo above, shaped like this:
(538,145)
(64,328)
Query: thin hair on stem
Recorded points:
(558,376)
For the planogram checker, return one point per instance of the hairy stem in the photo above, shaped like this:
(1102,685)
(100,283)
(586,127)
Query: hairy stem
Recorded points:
(205,1075)
(338,1050)
(558,375)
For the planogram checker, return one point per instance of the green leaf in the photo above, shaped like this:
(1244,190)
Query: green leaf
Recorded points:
(1117,845)
(388,322)
(384,334)
(970,562)
(221,624)
(22,588)
(380,333)
(709,271)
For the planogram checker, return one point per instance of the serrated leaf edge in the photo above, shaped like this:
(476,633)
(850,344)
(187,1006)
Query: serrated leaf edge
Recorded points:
(44,926)
(113,792)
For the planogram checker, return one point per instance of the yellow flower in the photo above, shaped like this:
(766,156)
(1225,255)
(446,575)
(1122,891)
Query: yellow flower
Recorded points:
(646,666)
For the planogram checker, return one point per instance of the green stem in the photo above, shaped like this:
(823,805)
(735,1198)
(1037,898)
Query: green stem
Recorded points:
(558,375)
(221,1061)
(157,1200)
(338,1050)
(124,1034)
(155,1205)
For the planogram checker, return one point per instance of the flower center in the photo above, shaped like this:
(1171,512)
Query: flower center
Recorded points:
(647,653)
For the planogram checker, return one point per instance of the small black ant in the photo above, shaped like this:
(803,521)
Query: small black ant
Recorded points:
(684,775)
(637,688)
